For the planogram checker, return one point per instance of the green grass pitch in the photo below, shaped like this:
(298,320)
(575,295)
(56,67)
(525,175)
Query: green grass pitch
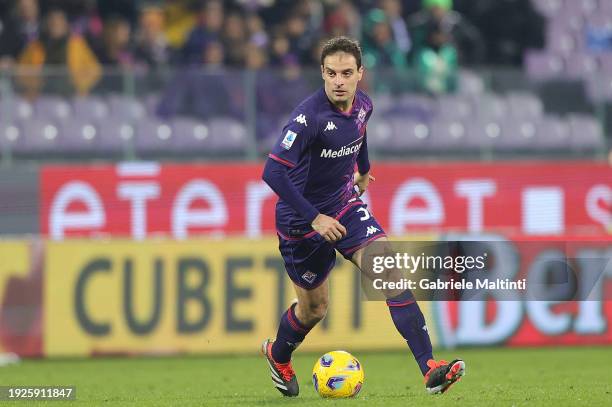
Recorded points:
(494,377)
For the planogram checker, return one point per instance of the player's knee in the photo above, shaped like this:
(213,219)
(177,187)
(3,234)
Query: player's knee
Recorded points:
(316,312)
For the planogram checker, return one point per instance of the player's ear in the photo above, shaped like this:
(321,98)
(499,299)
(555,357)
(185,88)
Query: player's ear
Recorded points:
(360,72)
(322,72)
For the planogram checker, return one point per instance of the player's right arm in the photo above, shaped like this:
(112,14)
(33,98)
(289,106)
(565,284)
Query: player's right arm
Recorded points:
(294,141)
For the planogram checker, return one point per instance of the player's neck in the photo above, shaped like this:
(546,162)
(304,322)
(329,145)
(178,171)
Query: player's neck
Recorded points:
(344,107)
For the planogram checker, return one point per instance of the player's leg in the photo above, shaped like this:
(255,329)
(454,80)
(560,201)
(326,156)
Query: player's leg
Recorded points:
(410,323)
(362,229)
(295,324)
(299,319)
(308,262)
(407,317)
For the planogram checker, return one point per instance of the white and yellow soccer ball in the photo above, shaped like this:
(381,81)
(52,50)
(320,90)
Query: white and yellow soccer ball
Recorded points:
(337,374)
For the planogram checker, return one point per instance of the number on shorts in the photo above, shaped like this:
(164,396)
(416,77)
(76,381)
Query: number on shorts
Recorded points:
(366,214)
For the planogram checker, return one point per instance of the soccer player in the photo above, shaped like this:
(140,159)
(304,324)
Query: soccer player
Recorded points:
(312,170)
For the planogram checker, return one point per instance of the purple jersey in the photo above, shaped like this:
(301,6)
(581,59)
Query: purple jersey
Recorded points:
(320,145)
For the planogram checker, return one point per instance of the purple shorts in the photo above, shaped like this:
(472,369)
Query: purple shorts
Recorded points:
(309,257)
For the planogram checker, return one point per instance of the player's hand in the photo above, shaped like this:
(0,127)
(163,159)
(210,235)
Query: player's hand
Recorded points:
(362,181)
(328,227)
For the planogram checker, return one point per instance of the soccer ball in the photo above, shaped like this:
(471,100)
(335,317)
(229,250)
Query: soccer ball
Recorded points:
(337,374)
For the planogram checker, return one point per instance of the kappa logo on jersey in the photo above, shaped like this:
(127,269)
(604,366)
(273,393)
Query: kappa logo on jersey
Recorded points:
(289,139)
(309,276)
(371,230)
(301,119)
(330,126)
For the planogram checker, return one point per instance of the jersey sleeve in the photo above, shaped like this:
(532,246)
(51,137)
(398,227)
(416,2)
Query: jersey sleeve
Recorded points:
(296,137)
(363,161)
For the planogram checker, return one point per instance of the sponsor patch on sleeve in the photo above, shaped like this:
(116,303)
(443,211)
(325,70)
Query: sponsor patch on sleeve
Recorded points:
(289,139)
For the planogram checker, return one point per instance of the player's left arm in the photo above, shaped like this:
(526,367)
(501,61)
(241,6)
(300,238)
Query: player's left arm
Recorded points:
(362,176)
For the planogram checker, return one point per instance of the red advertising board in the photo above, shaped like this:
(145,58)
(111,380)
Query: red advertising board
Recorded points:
(532,317)
(180,200)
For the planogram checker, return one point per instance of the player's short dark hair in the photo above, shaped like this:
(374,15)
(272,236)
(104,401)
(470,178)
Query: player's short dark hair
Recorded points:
(342,44)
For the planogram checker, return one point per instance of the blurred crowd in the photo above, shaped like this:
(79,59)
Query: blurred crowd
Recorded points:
(424,36)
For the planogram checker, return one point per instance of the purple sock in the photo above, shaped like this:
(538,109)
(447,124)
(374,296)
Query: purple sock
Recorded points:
(291,332)
(410,323)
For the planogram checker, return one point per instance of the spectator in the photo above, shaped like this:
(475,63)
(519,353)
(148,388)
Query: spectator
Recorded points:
(257,31)
(89,23)
(254,5)
(213,56)
(181,18)
(508,27)
(393,12)
(438,17)
(312,13)
(126,10)
(279,47)
(255,58)
(379,47)
(344,19)
(299,39)
(151,44)
(208,29)
(58,48)
(19,28)
(234,40)
(116,49)
(435,56)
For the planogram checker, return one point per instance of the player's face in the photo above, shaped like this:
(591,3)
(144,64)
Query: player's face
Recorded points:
(341,77)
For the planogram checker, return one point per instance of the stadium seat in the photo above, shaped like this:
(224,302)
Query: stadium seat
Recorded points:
(454,107)
(37,137)
(561,40)
(490,106)
(125,108)
(408,135)
(52,108)
(191,136)
(543,65)
(90,108)
(18,109)
(548,8)
(9,134)
(470,83)
(605,62)
(228,136)
(553,134)
(599,87)
(567,21)
(599,20)
(78,135)
(483,133)
(586,133)
(518,134)
(524,105)
(449,135)
(578,66)
(380,132)
(605,8)
(419,107)
(383,102)
(153,136)
(114,136)
(580,7)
